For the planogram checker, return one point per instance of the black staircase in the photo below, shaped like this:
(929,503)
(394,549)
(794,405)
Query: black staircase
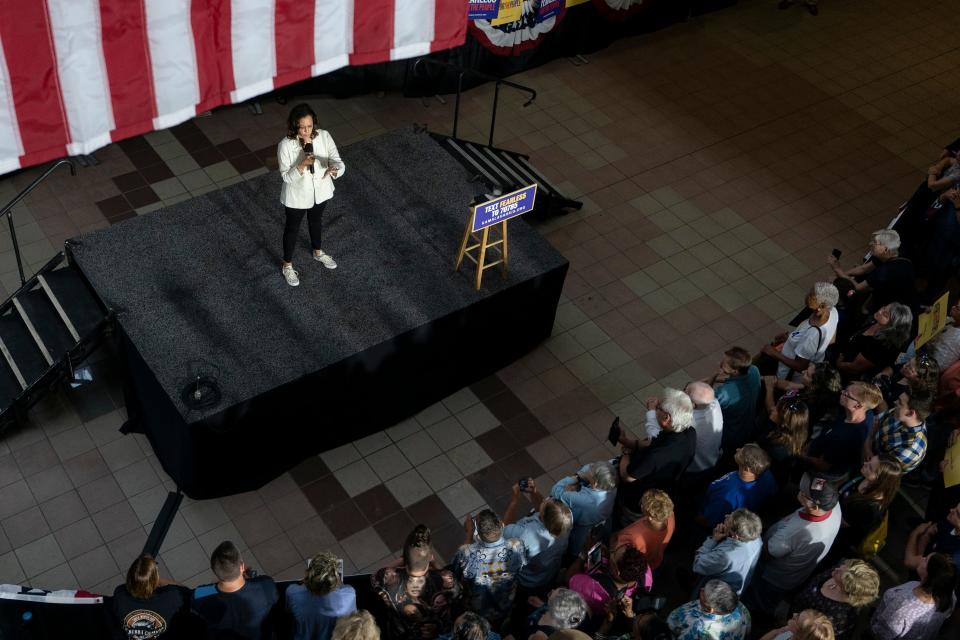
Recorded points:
(49,325)
(500,169)
(505,171)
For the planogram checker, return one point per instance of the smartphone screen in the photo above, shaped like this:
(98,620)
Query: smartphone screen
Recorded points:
(594,556)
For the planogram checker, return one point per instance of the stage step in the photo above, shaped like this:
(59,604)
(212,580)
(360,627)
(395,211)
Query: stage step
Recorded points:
(504,170)
(46,328)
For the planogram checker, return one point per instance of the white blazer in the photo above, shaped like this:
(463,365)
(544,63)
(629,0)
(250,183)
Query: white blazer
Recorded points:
(304,191)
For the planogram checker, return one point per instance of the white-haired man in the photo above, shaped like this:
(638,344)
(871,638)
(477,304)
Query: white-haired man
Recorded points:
(888,276)
(708,423)
(657,462)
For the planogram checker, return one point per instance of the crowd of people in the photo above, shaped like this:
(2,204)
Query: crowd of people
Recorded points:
(778,471)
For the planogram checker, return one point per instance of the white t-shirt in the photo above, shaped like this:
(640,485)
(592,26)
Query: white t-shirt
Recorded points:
(808,342)
(708,423)
(796,545)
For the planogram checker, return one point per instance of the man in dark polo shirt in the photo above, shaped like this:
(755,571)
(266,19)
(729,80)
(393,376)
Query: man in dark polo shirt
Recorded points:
(658,460)
(236,606)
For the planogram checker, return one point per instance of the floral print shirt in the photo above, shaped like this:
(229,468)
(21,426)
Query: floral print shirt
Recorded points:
(689,622)
(488,571)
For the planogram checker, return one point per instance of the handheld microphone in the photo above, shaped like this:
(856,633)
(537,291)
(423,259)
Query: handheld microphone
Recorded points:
(308,149)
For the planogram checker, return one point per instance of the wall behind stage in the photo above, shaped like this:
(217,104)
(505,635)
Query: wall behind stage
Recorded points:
(581,27)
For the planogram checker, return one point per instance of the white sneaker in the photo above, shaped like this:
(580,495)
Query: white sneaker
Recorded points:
(292,278)
(325,259)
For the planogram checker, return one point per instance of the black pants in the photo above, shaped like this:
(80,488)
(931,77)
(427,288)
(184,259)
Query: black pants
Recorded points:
(292,228)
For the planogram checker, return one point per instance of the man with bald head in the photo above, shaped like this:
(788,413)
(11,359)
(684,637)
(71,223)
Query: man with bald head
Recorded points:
(708,423)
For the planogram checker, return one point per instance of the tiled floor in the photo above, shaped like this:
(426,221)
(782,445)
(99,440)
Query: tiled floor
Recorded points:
(719,162)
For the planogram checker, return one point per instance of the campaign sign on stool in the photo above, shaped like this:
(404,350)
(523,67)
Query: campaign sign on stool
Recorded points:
(487,214)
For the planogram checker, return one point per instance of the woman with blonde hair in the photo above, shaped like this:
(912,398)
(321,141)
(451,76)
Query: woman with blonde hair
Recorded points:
(359,625)
(809,624)
(316,604)
(840,594)
(653,531)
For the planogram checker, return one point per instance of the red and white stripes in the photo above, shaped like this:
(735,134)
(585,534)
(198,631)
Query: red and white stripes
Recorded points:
(78,74)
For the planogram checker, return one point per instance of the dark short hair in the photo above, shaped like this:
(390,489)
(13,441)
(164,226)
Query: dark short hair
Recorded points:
(632,565)
(143,577)
(225,561)
(470,626)
(650,626)
(300,111)
(739,358)
(489,526)
(920,401)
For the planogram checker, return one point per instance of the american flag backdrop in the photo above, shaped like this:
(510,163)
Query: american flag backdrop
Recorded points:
(76,75)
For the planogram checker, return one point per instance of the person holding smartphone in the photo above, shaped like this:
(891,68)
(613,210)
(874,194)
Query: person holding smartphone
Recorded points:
(309,163)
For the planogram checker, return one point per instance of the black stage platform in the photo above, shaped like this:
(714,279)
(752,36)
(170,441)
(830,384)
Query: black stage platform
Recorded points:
(196,288)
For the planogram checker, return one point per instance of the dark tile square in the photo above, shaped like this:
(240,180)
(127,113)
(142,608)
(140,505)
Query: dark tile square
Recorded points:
(432,512)
(394,530)
(142,197)
(499,505)
(245,163)
(505,405)
(521,465)
(113,206)
(447,540)
(129,181)
(233,148)
(377,503)
(489,386)
(196,142)
(134,144)
(145,157)
(188,129)
(498,443)
(492,483)
(156,172)
(309,470)
(344,519)
(325,493)
(526,429)
(190,136)
(207,156)
(266,153)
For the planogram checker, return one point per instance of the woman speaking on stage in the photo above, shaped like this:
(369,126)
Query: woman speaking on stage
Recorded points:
(309,162)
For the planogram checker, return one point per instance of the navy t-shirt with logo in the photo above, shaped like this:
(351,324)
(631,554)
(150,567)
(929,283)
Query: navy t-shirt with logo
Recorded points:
(151,618)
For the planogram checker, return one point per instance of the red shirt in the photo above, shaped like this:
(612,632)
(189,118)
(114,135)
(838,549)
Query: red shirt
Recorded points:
(645,538)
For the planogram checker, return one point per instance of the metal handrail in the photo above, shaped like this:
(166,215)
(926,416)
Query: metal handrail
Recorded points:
(485,76)
(8,210)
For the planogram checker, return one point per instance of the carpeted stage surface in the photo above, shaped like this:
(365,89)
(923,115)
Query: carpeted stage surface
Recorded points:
(201,280)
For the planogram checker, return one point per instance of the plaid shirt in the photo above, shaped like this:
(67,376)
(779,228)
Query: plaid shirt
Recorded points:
(907,444)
